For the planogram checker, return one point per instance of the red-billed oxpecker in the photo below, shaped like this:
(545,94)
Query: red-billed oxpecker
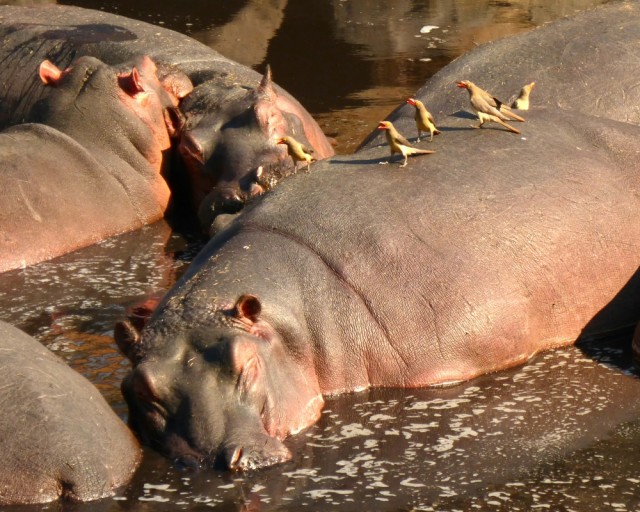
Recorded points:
(424,119)
(522,101)
(489,108)
(398,144)
(297,152)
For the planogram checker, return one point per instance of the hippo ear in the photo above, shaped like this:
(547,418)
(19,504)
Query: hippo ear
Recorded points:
(248,308)
(174,120)
(127,338)
(131,82)
(265,89)
(49,73)
(174,81)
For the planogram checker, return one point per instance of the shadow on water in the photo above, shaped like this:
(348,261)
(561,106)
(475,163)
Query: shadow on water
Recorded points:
(622,310)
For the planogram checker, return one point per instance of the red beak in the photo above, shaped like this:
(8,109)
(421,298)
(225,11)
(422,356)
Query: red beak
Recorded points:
(382,126)
(462,85)
(411,101)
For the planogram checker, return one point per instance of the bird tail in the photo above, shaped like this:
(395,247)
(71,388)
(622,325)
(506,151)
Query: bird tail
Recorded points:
(415,151)
(507,126)
(436,132)
(507,112)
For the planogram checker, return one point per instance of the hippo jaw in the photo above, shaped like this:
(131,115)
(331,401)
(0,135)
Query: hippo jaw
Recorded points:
(230,395)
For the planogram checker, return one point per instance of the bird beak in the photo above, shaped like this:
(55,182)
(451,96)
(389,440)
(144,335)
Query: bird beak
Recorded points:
(411,101)
(382,126)
(280,141)
(461,85)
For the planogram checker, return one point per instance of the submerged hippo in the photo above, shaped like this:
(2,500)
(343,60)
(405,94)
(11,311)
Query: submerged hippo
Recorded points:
(229,144)
(89,161)
(59,438)
(359,275)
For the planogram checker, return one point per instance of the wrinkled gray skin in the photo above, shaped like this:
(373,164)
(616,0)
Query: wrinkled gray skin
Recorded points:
(58,436)
(232,123)
(90,162)
(465,262)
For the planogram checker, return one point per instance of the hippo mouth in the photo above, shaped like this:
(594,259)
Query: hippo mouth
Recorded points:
(247,449)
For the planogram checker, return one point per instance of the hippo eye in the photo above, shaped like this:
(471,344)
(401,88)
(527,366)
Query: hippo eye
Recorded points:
(215,354)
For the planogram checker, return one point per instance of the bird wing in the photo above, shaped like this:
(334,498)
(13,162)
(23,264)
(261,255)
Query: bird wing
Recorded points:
(497,103)
(401,140)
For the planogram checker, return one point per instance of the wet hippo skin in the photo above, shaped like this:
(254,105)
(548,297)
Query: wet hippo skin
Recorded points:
(59,438)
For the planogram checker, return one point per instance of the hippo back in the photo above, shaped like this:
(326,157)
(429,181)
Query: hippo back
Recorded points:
(59,437)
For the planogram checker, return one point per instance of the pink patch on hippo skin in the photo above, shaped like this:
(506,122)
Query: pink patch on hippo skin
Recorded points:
(269,116)
(270,119)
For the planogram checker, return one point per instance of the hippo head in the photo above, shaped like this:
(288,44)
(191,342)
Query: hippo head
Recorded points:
(98,102)
(222,391)
(229,145)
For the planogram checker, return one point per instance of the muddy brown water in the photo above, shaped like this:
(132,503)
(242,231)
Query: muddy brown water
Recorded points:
(560,433)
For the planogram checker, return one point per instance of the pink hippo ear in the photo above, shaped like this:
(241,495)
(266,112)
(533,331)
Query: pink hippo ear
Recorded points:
(265,89)
(131,82)
(174,120)
(248,308)
(127,332)
(50,74)
(175,82)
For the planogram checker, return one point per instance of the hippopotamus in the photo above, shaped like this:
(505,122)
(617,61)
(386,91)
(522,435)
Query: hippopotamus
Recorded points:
(88,163)
(59,437)
(234,117)
(359,275)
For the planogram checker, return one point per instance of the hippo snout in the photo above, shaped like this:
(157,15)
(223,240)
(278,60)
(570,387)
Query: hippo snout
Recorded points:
(227,201)
(263,452)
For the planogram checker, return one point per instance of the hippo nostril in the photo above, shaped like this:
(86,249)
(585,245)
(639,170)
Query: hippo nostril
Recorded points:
(232,204)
